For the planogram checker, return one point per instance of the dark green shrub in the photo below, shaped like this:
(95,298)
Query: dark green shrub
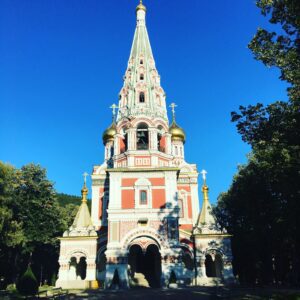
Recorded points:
(53,279)
(27,284)
(3,283)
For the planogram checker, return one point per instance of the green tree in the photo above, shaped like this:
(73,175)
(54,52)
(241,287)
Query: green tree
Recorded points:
(281,48)
(30,220)
(261,208)
(11,232)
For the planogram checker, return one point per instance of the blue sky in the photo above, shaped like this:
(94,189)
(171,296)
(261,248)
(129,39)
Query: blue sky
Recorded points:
(61,67)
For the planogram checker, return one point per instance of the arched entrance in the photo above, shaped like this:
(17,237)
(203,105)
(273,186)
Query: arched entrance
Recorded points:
(144,266)
(213,265)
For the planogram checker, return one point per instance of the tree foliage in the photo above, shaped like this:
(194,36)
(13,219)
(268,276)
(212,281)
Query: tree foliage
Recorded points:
(282,48)
(262,207)
(32,217)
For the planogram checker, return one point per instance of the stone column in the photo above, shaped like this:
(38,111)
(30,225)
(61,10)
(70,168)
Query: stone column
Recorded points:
(131,137)
(168,143)
(117,144)
(90,269)
(153,138)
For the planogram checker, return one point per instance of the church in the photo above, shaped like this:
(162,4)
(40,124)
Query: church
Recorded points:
(145,227)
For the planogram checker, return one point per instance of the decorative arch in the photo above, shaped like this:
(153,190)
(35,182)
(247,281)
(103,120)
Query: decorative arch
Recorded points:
(143,243)
(137,121)
(187,256)
(101,262)
(139,232)
(142,181)
(213,252)
(124,125)
(77,253)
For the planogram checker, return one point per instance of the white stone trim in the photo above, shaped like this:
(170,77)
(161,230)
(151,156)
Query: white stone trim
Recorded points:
(95,205)
(195,202)
(115,190)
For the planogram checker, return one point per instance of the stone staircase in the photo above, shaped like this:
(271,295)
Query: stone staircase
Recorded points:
(139,280)
(209,281)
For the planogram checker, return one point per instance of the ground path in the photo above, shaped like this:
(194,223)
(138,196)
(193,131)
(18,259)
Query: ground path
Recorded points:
(199,293)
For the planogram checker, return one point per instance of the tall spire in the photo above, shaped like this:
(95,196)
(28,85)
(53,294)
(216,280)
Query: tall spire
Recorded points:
(82,225)
(206,217)
(141,94)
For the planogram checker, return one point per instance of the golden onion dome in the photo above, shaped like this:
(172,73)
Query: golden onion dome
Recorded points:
(109,133)
(177,133)
(141,6)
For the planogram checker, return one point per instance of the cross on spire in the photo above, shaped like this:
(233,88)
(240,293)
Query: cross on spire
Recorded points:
(114,107)
(203,172)
(85,175)
(173,105)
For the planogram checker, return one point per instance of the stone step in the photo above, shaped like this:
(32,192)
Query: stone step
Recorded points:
(139,280)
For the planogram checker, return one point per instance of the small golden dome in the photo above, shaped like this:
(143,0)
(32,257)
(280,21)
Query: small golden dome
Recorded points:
(205,188)
(141,6)
(176,132)
(109,133)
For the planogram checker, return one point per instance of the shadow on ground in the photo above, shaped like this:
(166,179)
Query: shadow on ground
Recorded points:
(199,293)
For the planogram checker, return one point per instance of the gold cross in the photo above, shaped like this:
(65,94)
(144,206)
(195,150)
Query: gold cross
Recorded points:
(173,105)
(203,172)
(85,175)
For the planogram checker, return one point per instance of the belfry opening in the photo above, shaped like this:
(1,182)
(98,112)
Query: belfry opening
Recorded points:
(144,266)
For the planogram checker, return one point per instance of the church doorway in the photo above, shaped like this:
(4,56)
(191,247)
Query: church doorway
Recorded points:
(144,266)
(214,267)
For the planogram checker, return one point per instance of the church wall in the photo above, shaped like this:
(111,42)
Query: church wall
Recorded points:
(158,198)
(157,181)
(127,199)
(128,181)
(186,226)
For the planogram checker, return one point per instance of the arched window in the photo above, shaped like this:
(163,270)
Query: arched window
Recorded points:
(142,97)
(143,197)
(142,137)
(141,61)
(141,76)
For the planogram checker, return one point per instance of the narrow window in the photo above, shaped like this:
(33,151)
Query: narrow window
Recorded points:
(158,142)
(141,76)
(141,62)
(143,197)
(176,150)
(142,97)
